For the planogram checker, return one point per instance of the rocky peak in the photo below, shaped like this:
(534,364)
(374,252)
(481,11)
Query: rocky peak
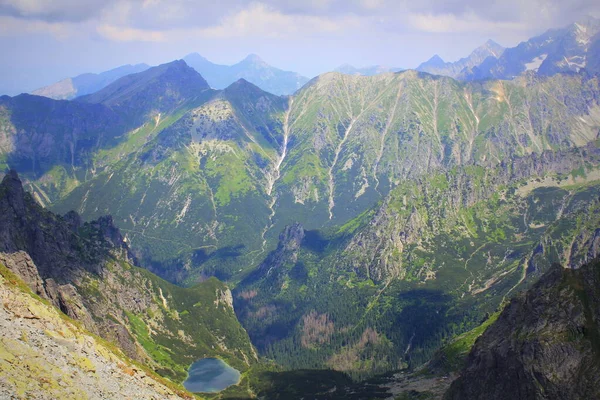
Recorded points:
(11,189)
(51,241)
(158,90)
(290,240)
(435,61)
(291,237)
(490,48)
(253,59)
(242,86)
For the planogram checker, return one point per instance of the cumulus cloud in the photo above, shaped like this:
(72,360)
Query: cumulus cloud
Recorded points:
(214,18)
(9,26)
(121,34)
(258,20)
(53,10)
(467,23)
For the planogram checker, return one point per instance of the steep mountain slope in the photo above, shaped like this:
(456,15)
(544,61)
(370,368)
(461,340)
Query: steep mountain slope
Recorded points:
(252,69)
(39,133)
(367,71)
(203,184)
(353,138)
(557,50)
(86,271)
(437,256)
(44,354)
(437,66)
(544,345)
(83,84)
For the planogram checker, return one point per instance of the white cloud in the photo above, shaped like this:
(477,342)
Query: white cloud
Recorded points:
(260,20)
(124,34)
(53,10)
(11,26)
(467,23)
(257,21)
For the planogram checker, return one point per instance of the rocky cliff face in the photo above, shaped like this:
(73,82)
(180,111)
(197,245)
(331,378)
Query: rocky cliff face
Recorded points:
(411,215)
(544,345)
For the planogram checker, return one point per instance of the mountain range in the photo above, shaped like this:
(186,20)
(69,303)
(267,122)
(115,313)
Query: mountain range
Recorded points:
(436,66)
(366,224)
(83,84)
(569,49)
(253,69)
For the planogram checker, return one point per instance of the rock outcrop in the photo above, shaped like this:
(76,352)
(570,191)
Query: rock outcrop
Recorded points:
(544,345)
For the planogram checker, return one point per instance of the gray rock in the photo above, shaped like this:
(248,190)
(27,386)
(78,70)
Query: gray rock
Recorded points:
(544,345)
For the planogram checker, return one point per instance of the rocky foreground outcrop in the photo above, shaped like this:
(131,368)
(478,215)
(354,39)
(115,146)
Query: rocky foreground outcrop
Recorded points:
(45,355)
(544,345)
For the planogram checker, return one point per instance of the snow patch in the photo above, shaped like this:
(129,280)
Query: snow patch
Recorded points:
(581,35)
(534,64)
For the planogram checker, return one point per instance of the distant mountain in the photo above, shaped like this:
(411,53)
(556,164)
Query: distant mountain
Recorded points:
(253,69)
(83,84)
(435,65)
(152,92)
(366,71)
(568,49)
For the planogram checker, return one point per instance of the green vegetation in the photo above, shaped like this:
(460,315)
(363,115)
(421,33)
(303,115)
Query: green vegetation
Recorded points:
(452,356)
(409,188)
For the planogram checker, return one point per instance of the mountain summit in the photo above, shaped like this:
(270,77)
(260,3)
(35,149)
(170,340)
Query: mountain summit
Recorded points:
(157,90)
(255,60)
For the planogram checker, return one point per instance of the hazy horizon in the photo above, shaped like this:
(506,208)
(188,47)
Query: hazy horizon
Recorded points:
(45,41)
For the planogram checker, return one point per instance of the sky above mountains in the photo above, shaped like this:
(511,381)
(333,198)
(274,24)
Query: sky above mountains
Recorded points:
(43,41)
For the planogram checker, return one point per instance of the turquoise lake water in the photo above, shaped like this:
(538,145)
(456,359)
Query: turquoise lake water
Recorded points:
(210,375)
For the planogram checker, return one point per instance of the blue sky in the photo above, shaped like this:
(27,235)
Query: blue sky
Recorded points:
(43,41)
